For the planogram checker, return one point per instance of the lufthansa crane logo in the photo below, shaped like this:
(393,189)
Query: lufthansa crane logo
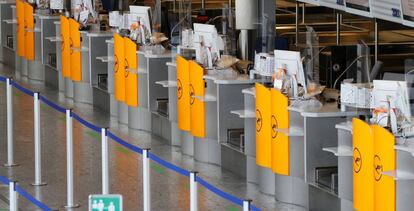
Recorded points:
(192,94)
(259,120)
(116,62)
(274,126)
(179,89)
(378,168)
(357,160)
(126,73)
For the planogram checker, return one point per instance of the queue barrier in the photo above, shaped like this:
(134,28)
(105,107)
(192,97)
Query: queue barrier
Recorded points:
(25,194)
(243,203)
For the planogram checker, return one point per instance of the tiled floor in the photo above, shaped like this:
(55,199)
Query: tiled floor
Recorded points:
(169,190)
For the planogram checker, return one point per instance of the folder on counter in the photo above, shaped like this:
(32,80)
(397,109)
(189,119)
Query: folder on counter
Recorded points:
(65,46)
(29,35)
(263,130)
(131,77)
(280,141)
(119,67)
(75,53)
(363,162)
(197,106)
(183,96)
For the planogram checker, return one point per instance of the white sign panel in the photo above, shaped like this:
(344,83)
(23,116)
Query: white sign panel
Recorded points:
(336,4)
(358,7)
(408,12)
(389,10)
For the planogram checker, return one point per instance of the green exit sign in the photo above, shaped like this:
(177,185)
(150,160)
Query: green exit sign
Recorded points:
(109,202)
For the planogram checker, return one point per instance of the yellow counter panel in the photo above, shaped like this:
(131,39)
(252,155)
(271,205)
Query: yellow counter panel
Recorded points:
(363,162)
(280,141)
(384,160)
(65,45)
(197,107)
(119,67)
(131,77)
(183,94)
(263,129)
(75,51)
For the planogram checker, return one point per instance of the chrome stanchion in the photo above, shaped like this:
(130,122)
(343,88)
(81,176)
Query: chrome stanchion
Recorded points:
(37,144)
(246,205)
(13,196)
(193,191)
(146,179)
(105,161)
(69,159)
(9,97)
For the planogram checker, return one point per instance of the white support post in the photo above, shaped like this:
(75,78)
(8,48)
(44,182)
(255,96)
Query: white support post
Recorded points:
(193,191)
(146,180)
(10,150)
(246,205)
(12,196)
(105,161)
(69,160)
(37,143)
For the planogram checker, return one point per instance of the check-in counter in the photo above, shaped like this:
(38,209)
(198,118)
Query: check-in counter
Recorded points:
(7,32)
(183,105)
(224,99)
(404,173)
(374,168)
(33,45)
(309,129)
(109,60)
(343,150)
(57,39)
(48,48)
(65,59)
(171,85)
(86,69)
(20,61)
(148,115)
(98,73)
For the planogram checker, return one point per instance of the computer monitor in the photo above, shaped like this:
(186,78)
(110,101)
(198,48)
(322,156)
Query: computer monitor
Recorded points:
(391,95)
(205,35)
(144,13)
(292,62)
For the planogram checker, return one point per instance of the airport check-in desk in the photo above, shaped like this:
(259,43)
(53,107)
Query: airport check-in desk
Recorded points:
(401,179)
(48,48)
(309,131)
(151,69)
(7,32)
(143,68)
(92,46)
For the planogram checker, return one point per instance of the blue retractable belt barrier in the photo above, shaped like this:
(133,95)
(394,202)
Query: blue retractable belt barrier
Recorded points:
(86,123)
(124,143)
(52,105)
(25,194)
(127,145)
(32,199)
(169,165)
(22,89)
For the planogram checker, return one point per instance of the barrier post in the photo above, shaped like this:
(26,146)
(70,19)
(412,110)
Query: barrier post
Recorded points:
(246,204)
(193,191)
(37,144)
(146,179)
(9,97)
(12,196)
(105,161)
(69,159)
